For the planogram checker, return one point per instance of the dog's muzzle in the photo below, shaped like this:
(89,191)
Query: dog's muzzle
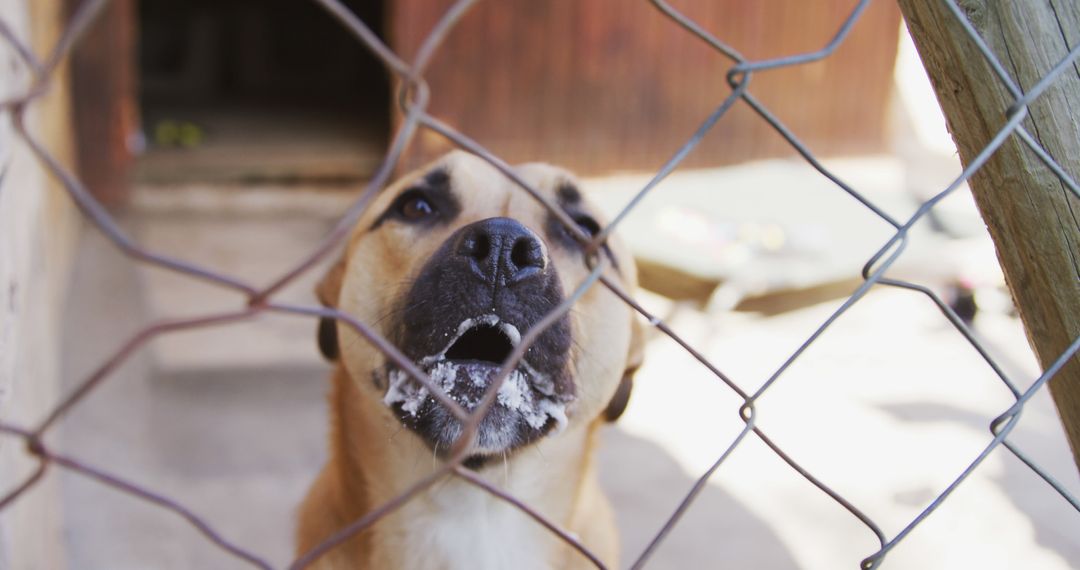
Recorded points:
(488,284)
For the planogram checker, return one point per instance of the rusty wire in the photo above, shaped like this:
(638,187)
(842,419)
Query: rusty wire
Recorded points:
(413,99)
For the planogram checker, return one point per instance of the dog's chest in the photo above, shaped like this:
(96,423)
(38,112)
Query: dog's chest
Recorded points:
(465,528)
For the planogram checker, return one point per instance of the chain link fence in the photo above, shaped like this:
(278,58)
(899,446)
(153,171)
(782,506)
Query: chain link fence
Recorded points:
(414,96)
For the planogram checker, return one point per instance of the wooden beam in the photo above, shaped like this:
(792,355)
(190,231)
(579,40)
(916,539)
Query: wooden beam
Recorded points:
(105,102)
(1032,216)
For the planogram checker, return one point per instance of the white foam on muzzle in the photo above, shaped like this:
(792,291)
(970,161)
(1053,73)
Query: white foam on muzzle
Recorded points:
(516,392)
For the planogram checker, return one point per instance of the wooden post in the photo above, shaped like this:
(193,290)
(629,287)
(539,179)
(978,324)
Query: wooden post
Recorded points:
(1032,217)
(105,103)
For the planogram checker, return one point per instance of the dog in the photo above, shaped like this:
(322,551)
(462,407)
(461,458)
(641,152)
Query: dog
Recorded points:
(453,264)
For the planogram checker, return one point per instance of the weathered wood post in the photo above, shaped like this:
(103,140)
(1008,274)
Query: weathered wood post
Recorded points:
(1032,216)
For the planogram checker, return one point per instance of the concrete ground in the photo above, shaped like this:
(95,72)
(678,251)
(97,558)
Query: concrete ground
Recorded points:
(887,408)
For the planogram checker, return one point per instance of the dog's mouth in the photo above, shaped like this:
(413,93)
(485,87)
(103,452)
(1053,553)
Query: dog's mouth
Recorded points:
(484,342)
(527,404)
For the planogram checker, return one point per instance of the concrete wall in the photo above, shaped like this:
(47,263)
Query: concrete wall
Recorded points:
(37,225)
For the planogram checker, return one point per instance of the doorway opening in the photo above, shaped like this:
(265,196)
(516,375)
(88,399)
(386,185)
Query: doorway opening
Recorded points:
(257,91)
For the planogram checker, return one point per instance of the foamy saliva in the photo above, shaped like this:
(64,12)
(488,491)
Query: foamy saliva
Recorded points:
(526,390)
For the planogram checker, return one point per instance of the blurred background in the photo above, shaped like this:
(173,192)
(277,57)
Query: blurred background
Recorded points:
(234,133)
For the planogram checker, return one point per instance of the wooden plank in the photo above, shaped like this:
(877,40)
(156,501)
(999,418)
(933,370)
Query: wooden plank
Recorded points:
(1033,219)
(104,102)
(614,85)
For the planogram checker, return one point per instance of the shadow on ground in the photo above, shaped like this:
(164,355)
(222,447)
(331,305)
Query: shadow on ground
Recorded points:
(1023,487)
(646,485)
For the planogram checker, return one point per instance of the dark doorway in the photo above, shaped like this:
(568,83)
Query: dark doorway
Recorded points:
(258,90)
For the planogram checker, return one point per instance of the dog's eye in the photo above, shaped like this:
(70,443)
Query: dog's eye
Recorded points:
(587,224)
(413,206)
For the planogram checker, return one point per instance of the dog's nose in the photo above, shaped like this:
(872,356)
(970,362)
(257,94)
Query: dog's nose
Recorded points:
(502,250)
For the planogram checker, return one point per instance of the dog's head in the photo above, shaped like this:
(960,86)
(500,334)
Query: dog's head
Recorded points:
(454,264)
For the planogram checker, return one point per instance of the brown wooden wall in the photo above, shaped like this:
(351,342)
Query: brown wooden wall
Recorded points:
(604,85)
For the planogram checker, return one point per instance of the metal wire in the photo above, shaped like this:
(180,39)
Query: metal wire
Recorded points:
(413,98)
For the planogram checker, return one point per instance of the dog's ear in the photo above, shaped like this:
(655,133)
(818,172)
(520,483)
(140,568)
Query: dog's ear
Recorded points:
(327,291)
(329,287)
(617,405)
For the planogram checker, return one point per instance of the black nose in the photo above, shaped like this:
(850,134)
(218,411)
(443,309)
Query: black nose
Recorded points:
(501,251)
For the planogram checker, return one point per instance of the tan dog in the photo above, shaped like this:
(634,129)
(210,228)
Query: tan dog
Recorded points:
(453,264)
